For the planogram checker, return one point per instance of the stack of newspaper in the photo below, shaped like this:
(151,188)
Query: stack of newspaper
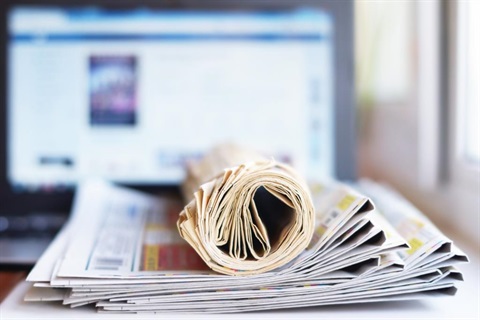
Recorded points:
(122,252)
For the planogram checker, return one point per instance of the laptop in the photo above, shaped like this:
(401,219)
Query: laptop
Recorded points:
(131,91)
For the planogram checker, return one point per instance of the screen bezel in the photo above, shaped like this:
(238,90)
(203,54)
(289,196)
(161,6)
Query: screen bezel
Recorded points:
(14,202)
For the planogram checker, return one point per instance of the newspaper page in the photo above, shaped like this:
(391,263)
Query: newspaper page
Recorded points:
(126,234)
(428,245)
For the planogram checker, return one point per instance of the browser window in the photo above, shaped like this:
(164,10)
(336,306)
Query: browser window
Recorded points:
(132,96)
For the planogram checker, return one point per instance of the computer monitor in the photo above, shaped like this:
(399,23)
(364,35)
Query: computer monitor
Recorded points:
(131,91)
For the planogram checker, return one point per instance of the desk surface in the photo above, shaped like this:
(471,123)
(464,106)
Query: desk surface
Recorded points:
(8,281)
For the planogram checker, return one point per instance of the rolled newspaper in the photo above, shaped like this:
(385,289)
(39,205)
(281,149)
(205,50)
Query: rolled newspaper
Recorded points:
(249,214)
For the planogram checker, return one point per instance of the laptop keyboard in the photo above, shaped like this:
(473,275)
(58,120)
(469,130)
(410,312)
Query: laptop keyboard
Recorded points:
(31,226)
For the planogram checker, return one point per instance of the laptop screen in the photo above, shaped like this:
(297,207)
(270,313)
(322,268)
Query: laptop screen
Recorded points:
(133,95)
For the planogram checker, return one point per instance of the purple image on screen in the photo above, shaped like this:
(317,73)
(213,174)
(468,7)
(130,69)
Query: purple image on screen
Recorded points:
(113,94)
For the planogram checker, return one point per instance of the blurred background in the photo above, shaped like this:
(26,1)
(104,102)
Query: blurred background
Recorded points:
(132,91)
(417,69)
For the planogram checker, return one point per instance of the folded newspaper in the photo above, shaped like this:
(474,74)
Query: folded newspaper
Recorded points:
(249,214)
(122,251)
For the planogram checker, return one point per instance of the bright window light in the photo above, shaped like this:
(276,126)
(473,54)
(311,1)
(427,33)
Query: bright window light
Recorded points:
(469,81)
